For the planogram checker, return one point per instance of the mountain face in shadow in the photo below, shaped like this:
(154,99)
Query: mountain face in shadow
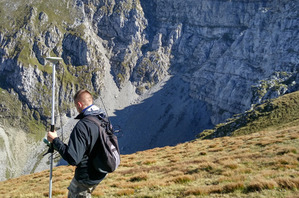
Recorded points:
(167,117)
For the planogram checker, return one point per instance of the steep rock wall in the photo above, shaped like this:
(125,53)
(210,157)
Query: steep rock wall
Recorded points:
(224,48)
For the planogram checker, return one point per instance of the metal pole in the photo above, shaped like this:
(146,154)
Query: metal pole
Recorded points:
(52,128)
(54,60)
(53,98)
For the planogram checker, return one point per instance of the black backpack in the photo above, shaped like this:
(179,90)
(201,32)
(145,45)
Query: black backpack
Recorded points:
(105,153)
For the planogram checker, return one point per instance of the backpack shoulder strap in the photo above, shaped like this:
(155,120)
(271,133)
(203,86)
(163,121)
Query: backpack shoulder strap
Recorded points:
(97,118)
(101,122)
(94,119)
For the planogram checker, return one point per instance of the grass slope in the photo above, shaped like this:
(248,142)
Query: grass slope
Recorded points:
(271,115)
(264,163)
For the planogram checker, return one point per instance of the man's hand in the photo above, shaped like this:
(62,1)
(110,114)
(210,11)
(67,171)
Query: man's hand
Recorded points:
(51,136)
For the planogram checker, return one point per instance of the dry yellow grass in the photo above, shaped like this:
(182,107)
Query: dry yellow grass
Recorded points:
(263,164)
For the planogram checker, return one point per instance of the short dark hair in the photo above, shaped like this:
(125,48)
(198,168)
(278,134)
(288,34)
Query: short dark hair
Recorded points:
(80,92)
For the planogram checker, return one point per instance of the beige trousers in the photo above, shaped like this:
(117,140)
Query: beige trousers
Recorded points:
(79,190)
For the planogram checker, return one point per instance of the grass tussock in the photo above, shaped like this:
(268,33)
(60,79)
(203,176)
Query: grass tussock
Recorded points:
(260,164)
(259,185)
(139,177)
(125,192)
(182,179)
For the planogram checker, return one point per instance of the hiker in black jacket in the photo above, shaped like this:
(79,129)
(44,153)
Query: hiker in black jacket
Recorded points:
(81,141)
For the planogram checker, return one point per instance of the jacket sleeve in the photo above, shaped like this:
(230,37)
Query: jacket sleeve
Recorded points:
(74,151)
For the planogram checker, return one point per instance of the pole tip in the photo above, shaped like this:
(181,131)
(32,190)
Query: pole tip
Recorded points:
(54,59)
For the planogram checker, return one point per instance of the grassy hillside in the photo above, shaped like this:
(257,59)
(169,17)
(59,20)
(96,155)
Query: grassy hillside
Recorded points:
(264,163)
(271,115)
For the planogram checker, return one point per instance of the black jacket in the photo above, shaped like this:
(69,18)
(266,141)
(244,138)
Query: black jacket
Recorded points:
(76,153)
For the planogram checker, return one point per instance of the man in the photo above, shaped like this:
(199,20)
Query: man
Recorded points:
(81,142)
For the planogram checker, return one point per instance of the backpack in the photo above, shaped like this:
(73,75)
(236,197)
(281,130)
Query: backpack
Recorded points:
(105,153)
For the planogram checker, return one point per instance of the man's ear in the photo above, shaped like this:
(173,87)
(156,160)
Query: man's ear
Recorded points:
(80,104)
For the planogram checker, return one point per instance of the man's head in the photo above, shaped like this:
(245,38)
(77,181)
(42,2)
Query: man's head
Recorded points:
(82,99)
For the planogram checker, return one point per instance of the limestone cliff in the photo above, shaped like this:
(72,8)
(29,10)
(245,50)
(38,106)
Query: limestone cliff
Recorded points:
(165,69)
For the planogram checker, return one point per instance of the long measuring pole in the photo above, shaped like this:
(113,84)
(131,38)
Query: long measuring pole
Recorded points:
(52,126)
(55,61)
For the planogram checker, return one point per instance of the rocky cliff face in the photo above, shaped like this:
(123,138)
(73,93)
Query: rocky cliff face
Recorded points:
(165,69)
(225,48)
